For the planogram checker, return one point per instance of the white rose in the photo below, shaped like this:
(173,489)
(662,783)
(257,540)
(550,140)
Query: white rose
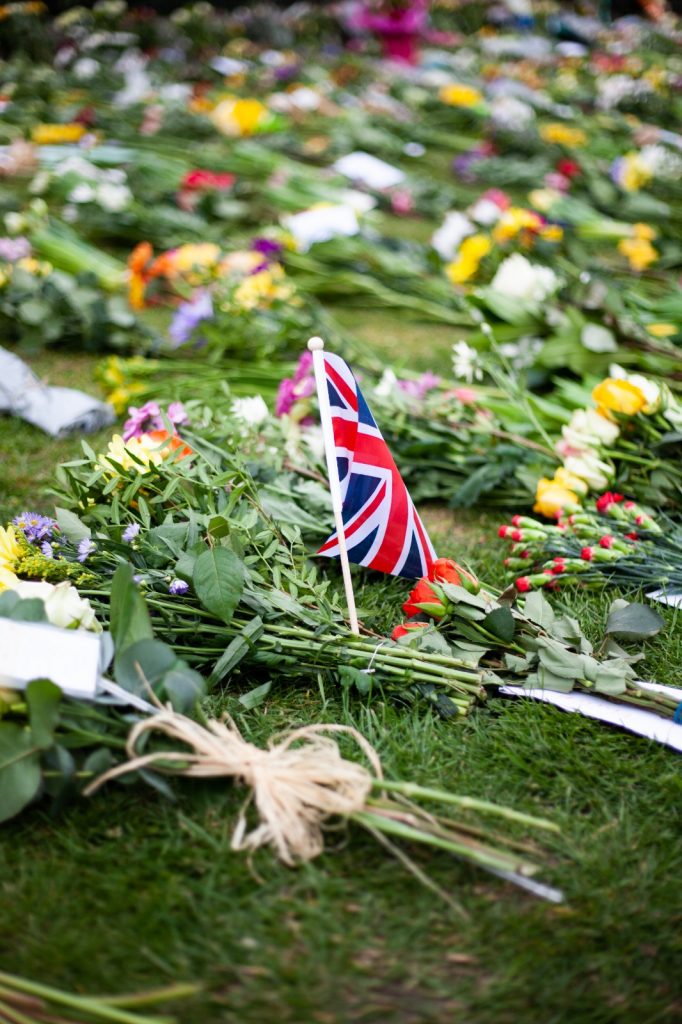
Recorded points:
(64,606)
(113,197)
(593,427)
(447,239)
(250,410)
(85,68)
(521,279)
(649,388)
(82,193)
(596,473)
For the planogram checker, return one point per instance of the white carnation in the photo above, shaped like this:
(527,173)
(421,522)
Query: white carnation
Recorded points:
(252,410)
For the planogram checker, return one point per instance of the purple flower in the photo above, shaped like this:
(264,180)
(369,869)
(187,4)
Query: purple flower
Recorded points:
(304,368)
(131,532)
(178,587)
(46,549)
(85,549)
(34,526)
(267,247)
(419,388)
(188,316)
(286,396)
(136,424)
(13,249)
(177,414)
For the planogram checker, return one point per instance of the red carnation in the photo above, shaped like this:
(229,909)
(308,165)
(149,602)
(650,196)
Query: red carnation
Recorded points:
(586,554)
(569,168)
(606,500)
(523,584)
(503,531)
(606,541)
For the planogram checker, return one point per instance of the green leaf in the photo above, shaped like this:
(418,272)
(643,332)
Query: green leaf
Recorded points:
(128,612)
(237,649)
(19,769)
(218,579)
(500,622)
(73,528)
(29,609)
(537,608)
(43,698)
(634,621)
(255,697)
(8,602)
(183,686)
(146,661)
(596,338)
(361,680)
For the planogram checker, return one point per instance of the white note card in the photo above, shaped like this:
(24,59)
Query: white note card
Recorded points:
(321,223)
(644,723)
(35,650)
(369,170)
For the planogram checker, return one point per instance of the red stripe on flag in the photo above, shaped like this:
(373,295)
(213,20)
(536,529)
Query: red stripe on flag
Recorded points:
(339,383)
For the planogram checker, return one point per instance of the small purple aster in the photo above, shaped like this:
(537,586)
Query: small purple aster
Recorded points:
(178,587)
(267,247)
(188,316)
(131,532)
(85,549)
(46,549)
(13,249)
(419,388)
(34,526)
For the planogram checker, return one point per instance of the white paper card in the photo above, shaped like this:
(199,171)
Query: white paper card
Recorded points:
(321,224)
(369,170)
(35,650)
(644,723)
(664,597)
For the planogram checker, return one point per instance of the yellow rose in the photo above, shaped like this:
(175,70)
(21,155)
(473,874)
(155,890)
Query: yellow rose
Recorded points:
(471,252)
(551,497)
(457,95)
(618,396)
(570,481)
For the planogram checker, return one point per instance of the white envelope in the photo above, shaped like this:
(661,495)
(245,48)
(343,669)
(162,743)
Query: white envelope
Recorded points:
(369,170)
(36,650)
(321,224)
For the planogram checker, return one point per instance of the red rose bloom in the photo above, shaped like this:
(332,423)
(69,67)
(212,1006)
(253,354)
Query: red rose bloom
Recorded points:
(446,570)
(423,594)
(406,628)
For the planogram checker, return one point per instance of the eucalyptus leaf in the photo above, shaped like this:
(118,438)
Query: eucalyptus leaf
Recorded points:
(73,528)
(43,698)
(19,769)
(142,663)
(634,622)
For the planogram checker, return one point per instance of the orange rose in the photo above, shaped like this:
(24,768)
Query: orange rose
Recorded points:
(423,594)
(448,571)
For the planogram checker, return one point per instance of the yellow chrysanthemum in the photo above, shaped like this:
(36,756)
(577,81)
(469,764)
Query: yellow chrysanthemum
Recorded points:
(10,550)
(552,233)
(7,579)
(513,221)
(645,231)
(57,134)
(458,95)
(559,134)
(613,395)
(192,256)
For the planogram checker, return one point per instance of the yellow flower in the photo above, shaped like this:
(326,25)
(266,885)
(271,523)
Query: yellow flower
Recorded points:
(543,199)
(239,117)
(620,396)
(513,221)
(552,497)
(638,251)
(559,134)
(10,550)
(56,134)
(136,453)
(471,252)
(662,330)
(570,481)
(552,233)
(458,95)
(645,231)
(632,173)
(121,397)
(192,256)
(8,580)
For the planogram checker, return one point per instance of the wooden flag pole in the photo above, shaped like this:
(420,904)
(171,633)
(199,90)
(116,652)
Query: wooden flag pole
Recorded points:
(316,346)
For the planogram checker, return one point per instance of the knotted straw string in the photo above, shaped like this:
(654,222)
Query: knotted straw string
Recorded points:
(295,788)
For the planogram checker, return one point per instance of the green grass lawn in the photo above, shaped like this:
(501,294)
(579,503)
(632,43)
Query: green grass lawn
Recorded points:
(129,890)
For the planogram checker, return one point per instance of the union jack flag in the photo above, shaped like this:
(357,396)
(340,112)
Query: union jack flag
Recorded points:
(382,528)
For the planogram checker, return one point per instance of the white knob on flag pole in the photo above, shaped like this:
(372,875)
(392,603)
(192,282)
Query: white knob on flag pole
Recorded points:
(316,346)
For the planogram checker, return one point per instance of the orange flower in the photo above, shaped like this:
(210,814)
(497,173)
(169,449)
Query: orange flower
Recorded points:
(406,628)
(424,595)
(448,571)
(138,276)
(175,445)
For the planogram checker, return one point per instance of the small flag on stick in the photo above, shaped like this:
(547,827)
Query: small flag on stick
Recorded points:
(376,522)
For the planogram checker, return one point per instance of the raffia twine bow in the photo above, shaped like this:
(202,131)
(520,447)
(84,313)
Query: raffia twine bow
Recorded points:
(298,782)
